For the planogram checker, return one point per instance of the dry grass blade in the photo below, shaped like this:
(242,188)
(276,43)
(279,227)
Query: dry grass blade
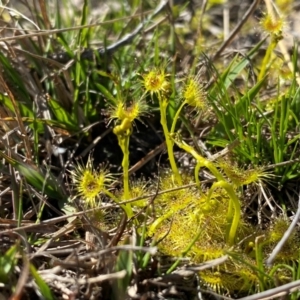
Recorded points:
(277,292)
(97,279)
(236,29)
(20,287)
(24,135)
(208,264)
(55,31)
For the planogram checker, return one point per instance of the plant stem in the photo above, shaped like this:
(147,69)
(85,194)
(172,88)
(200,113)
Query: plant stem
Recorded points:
(177,116)
(163,104)
(237,209)
(259,260)
(201,161)
(229,218)
(233,216)
(127,207)
(158,221)
(125,165)
(123,140)
(266,59)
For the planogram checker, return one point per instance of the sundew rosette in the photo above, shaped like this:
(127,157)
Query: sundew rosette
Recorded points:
(90,183)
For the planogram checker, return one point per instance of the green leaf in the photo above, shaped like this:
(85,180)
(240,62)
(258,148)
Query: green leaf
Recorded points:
(235,69)
(44,288)
(13,78)
(7,263)
(124,262)
(238,109)
(62,116)
(106,93)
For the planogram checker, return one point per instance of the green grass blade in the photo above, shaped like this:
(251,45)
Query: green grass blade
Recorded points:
(124,262)
(43,287)
(62,116)
(7,262)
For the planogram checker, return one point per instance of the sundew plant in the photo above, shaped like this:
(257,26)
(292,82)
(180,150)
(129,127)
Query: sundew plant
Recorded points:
(149,150)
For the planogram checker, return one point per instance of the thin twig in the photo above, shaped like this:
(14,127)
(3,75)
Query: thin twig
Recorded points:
(89,54)
(121,228)
(129,37)
(276,292)
(236,29)
(84,281)
(208,264)
(34,33)
(150,155)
